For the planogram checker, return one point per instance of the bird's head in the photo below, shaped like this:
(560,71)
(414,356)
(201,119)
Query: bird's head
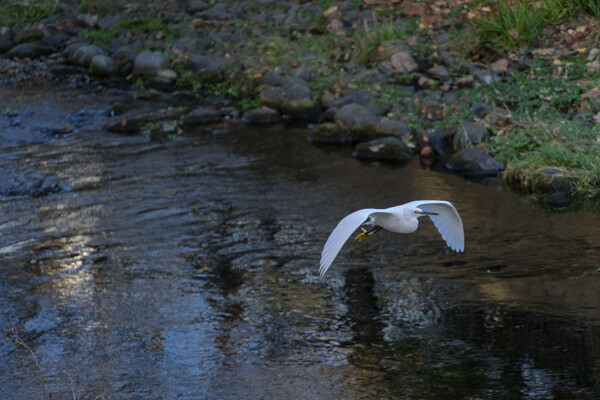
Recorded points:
(417,212)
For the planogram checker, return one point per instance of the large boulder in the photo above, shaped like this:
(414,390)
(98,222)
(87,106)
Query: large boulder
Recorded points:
(261,116)
(83,54)
(389,127)
(474,163)
(387,149)
(356,119)
(103,66)
(201,116)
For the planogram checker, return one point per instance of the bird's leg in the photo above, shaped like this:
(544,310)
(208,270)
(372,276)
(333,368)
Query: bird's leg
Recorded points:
(365,234)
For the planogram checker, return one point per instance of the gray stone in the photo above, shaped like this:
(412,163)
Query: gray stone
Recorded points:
(302,73)
(403,62)
(87,20)
(480,110)
(6,38)
(31,33)
(439,72)
(29,50)
(83,54)
(297,89)
(354,115)
(330,133)
(107,22)
(306,109)
(272,97)
(388,127)
(103,66)
(70,50)
(474,163)
(196,6)
(133,124)
(387,49)
(387,149)
(261,116)
(219,12)
(469,134)
(201,116)
(272,78)
(56,39)
(148,63)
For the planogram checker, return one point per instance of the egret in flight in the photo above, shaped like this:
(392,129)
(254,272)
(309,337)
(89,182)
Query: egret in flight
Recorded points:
(400,219)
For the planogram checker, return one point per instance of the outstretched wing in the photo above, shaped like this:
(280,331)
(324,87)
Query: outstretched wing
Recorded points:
(340,234)
(447,222)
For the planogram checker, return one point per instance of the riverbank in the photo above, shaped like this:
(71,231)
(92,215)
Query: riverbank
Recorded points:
(466,87)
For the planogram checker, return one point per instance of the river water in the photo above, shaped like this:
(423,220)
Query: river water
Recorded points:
(188,269)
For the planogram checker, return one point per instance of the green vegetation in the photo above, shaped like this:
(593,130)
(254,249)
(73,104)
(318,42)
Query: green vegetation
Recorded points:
(155,26)
(26,12)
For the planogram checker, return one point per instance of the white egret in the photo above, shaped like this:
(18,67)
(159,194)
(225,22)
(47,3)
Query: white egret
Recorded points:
(399,219)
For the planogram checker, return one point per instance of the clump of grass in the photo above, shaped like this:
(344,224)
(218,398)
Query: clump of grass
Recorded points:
(26,12)
(146,25)
(368,41)
(514,25)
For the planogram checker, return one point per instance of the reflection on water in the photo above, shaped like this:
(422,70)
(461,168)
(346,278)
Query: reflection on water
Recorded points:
(189,269)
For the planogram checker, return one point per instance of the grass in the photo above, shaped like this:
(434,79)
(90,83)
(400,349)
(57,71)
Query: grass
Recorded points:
(26,12)
(154,26)
(513,25)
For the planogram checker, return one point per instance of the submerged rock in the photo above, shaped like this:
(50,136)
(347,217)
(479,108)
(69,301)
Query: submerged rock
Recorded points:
(388,149)
(262,115)
(474,163)
(202,115)
(330,133)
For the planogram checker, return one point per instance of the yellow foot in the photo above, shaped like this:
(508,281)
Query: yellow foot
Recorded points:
(362,236)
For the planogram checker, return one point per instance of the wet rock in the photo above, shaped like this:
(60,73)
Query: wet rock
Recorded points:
(469,134)
(86,20)
(388,127)
(148,63)
(201,116)
(162,130)
(133,124)
(436,139)
(353,116)
(474,163)
(387,149)
(262,115)
(83,54)
(272,97)
(330,133)
(29,50)
(557,200)
(544,180)
(103,66)
(89,115)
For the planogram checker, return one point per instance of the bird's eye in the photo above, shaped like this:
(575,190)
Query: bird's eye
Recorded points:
(416,212)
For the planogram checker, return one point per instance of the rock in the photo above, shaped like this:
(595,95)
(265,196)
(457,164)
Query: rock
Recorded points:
(196,6)
(330,133)
(481,110)
(272,97)
(83,54)
(166,76)
(439,72)
(162,130)
(219,12)
(352,116)
(403,62)
(89,115)
(590,101)
(148,64)
(201,116)
(70,50)
(474,163)
(388,149)
(387,49)
(86,20)
(103,66)
(6,38)
(29,33)
(133,124)
(56,39)
(272,78)
(302,73)
(306,109)
(29,50)
(262,115)
(437,141)
(389,127)
(469,134)
(107,22)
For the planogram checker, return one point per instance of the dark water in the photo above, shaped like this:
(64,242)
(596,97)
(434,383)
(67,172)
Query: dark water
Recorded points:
(189,270)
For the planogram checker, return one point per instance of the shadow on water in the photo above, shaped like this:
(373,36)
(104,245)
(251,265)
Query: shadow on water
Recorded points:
(189,269)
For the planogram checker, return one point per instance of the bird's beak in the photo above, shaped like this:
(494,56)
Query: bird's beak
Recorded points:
(427,213)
